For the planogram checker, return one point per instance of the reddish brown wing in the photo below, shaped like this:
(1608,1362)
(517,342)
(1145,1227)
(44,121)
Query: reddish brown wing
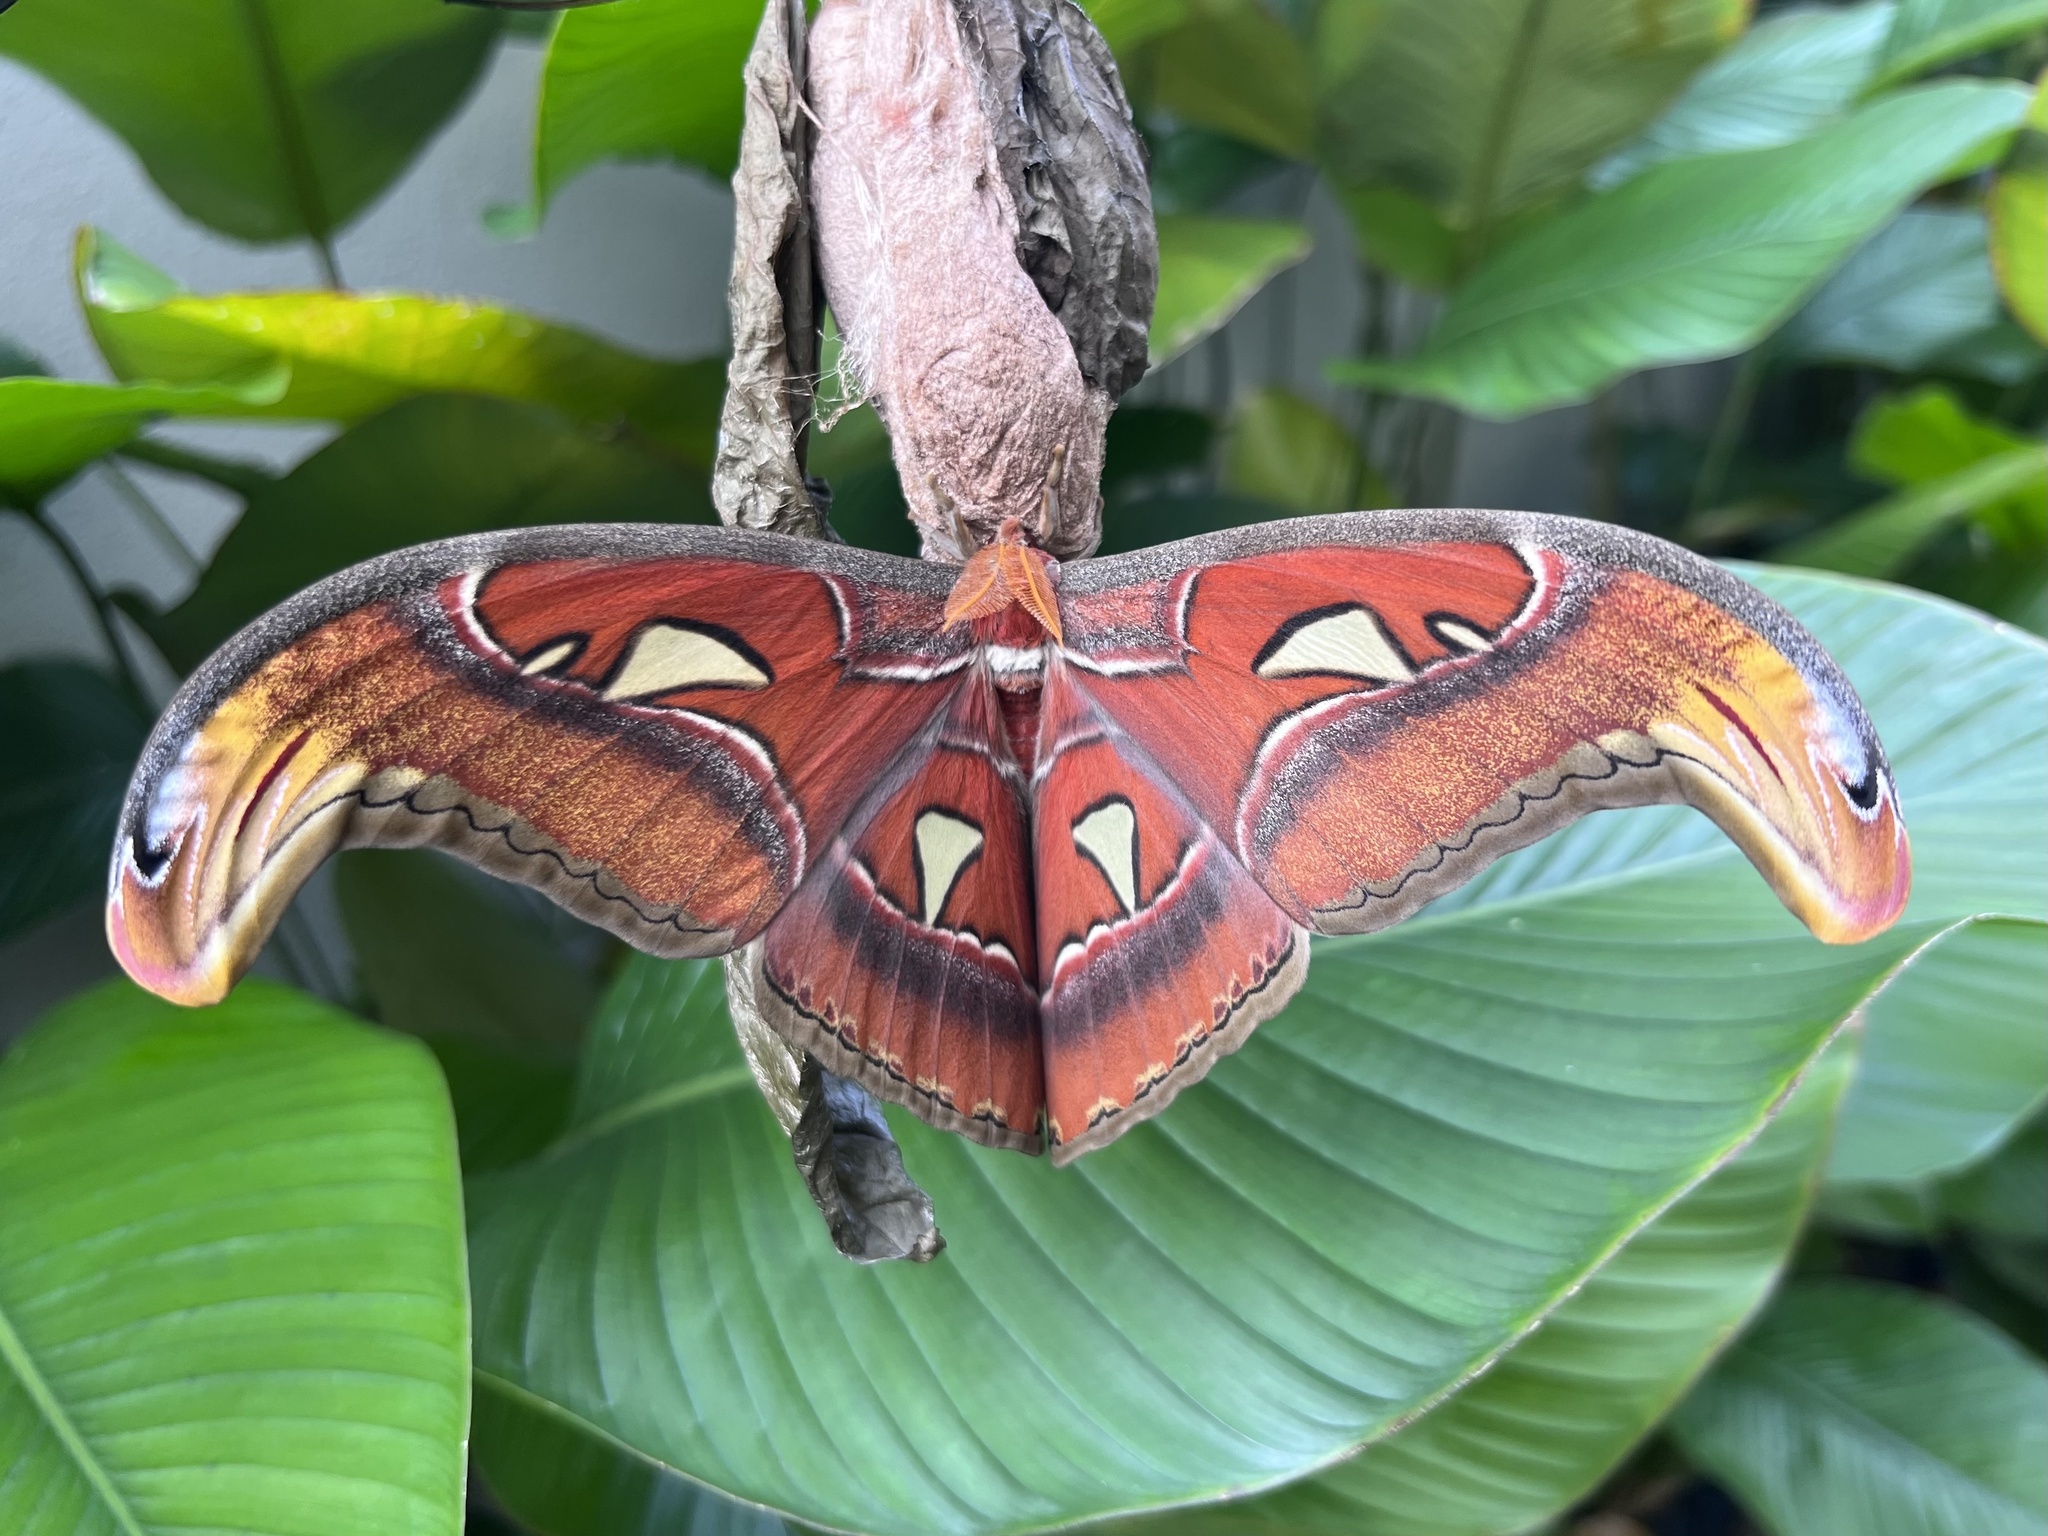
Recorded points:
(661,728)
(1157,951)
(906,959)
(1364,711)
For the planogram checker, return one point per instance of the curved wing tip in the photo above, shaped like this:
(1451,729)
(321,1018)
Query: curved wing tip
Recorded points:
(194,986)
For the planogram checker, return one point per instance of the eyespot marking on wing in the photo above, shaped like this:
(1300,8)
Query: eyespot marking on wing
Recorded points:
(1346,639)
(1107,833)
(944,845)
(666,656)
(549,657)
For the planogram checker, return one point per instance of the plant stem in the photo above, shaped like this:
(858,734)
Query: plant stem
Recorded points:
(1372,342)
(1500,125)
(1730,427)
(148,511)
(292,145)
(102,606)
(244,480)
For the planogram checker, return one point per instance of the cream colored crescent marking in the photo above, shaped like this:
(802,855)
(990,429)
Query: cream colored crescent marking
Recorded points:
(1109,835)
(666,657)
(1462,635)
(548,658)
(944,845)
(1350,642)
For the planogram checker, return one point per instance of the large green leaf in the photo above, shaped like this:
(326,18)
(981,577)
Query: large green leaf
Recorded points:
(486,974)
(1514,1447)
(1538,1431)
(1233,66)
(1490,107)
(1126,23)
(1789,75)
(1209,268)
(353,354)
(1953,1058)
(232,1294)
(1428,1149)
(643,80)
(560,1478)
(1689,260)
(1920,286)
(69,736)
(2007,1193)
(1877,1410)
(431,467)
(52,428)
(1928,33)
(263,118)
(1449,1129)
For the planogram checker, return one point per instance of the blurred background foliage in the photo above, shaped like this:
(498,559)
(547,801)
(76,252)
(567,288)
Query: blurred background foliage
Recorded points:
(1772,284)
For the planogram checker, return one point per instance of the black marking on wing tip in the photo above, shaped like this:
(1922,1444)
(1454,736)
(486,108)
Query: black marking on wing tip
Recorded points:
(149,862)
(1863,794)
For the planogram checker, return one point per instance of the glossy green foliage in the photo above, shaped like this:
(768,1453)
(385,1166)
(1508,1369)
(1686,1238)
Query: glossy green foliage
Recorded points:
(430,467)
(52,428)
(1691,259)
(1239,69)
(559,1477)
(232,1290)
(1509,1450)
(1484,110)
(1789,75)
(1209,268)
(1291,452)
(68,738)
(643,80)
(256,116)
(1921,287)
(1949,465)
(352,355)
(1534,1434)
(1953,1059)
(1934,32)
(1872,1409)
(2019,221)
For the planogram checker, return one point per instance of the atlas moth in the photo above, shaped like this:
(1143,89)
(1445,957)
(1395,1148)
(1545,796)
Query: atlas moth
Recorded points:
(1020,840)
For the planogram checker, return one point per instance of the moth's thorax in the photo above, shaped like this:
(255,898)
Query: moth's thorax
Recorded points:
(1013,650)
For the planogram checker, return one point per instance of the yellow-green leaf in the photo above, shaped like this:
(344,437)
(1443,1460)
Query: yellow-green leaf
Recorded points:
(353,354)
(1209,268)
